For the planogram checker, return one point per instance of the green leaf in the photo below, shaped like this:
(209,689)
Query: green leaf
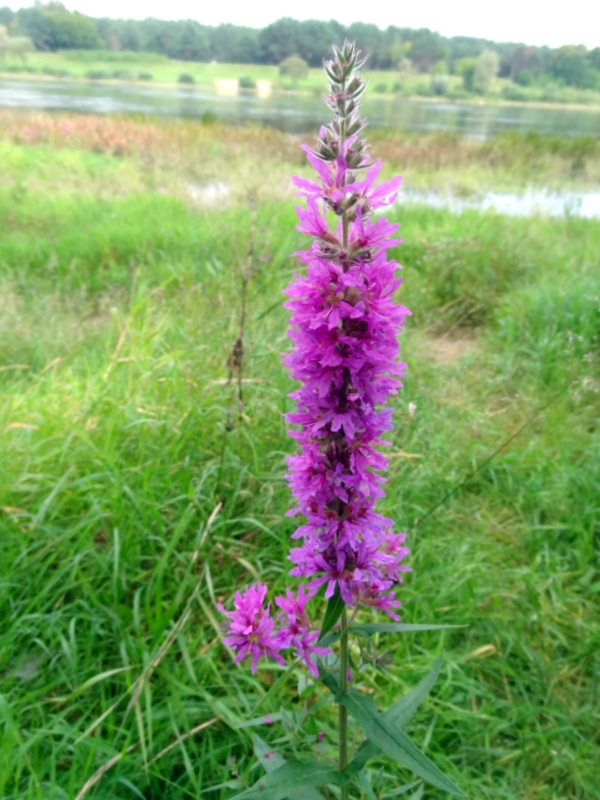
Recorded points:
(399,714)
(330,638)
(401,790)
(260,721)
(393,741)
(365,785)
(368,629)
(335,606)
(419,793)
(289,778)
(271,761)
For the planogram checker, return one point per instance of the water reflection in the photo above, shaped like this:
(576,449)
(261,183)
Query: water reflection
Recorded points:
(541,203)
(294,113)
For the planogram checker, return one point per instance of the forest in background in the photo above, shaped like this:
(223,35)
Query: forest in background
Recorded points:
(51,27)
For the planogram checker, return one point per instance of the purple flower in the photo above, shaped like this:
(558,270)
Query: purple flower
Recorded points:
(296,628)
(344,326)
(253,632)
(251,627)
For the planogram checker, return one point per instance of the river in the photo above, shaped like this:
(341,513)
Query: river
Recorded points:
(295,112)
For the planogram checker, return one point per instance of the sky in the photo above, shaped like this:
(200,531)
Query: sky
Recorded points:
(530,21)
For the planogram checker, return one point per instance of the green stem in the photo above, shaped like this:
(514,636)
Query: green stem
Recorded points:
(343,713)
(344,660)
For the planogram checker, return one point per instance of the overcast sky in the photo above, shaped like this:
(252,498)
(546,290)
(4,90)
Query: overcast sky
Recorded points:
(530,21)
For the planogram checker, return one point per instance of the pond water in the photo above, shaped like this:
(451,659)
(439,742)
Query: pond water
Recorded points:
(538,202)
(294,113)
(531,203)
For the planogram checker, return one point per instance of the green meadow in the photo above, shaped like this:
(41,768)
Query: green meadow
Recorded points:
(142,466)
(131,66)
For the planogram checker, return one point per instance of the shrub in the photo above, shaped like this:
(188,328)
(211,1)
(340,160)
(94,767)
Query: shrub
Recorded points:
(293,67)
(145,76)
(115,56)
(524,77)
(457,93)
(124,74)
(380,88)
(56,72)
(97,74)
(246,82)
(424,90)
(18,68)
(209,118)
(439,84)
(185,77)
(512,92)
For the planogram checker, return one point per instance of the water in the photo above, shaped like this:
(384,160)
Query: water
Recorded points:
(531,203)
(294,113)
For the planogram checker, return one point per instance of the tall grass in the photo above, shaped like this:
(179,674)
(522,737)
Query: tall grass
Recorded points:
(129,505)
(164,152)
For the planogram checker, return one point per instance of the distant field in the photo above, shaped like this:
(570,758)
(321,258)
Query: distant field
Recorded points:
(165,71)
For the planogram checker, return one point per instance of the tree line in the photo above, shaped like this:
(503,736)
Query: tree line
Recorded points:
(51,26)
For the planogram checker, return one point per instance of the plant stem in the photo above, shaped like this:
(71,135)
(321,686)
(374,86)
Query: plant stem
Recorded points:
(343,713)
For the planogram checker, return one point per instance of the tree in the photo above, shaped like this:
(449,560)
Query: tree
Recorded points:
(280,40)
(466,69)
(33,22)
(15,46)
(397,51)
(571,65)
(524,77)
(593,58)
(293,67)
(369,39)
(73,31)
(315,39)
(20,46)
(486,69)
(6,16)
(427,48)
(3,42)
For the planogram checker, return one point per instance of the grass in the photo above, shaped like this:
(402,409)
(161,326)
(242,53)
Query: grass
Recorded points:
(181,156)
(163,70)
(135,492)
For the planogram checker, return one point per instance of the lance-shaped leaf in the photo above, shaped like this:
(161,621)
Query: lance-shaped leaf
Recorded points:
(335,606)
(292,779)
(393,741)
(384,732)
(399,714)
(271,761)
(368,629)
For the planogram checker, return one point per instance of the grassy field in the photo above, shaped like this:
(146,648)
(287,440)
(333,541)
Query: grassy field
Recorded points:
(164,70)
(137,491)
(176,156)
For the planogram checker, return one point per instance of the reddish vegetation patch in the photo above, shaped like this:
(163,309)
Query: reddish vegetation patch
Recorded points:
(122,136)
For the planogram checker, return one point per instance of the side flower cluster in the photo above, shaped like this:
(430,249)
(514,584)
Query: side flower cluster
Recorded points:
(344,326)
(253,632)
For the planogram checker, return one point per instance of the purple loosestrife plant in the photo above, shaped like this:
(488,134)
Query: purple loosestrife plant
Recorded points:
(344,326)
